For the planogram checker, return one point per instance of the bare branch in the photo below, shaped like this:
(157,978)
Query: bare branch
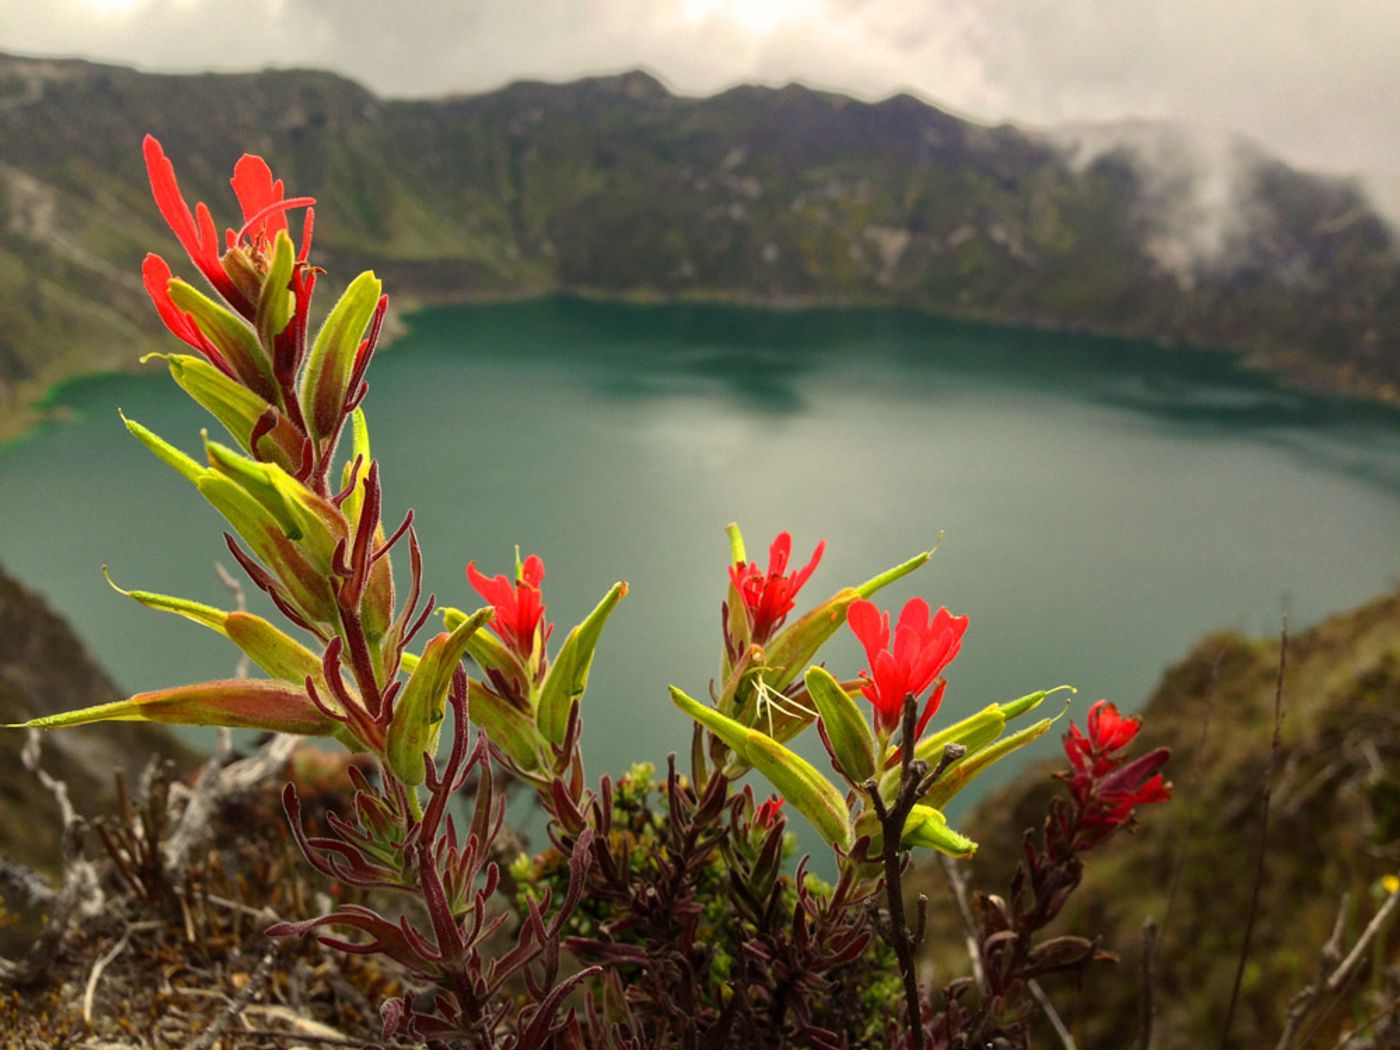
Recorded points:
(1149,954)
(1051,1014)
(1264,797)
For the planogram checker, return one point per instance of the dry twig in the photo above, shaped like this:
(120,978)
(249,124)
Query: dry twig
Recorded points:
(1322,998)
(1051,1014)
(1264,796)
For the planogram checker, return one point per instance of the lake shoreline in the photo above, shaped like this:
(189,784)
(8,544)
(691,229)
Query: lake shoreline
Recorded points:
(34,412)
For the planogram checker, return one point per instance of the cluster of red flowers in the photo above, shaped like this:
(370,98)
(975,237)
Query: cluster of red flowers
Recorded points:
(1105,788)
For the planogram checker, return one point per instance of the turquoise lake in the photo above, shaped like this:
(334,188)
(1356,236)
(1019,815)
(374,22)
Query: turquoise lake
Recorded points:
(1103,504)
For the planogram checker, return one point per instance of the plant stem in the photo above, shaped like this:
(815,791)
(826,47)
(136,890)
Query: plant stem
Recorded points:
(914,781)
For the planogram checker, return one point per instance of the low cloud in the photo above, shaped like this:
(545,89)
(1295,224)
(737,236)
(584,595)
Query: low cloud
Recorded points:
(1311,80)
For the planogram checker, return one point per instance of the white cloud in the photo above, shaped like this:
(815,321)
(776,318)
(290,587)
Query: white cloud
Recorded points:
(1313,80)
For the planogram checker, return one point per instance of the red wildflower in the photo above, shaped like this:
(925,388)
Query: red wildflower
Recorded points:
(518,605)
(155,275)
(923,647)
(264,214)
(768,596)
(1105,789)
(767,813)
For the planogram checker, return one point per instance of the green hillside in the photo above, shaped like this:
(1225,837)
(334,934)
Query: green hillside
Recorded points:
(1335,830)
(613,186)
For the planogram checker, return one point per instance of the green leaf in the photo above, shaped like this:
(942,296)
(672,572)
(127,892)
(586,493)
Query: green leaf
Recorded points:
(509,728)
(255,479)
(733,733)
(793,649)
(798,781)
(962,774)
(875,583)
(277,653)
(231,335)
(1029,702)
(359,449)
(306,586)
(488,651)
(568,675)
(197,611)
(238,704)
(332,359)
(233,405)
(276,304)
(163,450)
(974,732)
(422,704)
(928,827)
(737,555)
(845,725)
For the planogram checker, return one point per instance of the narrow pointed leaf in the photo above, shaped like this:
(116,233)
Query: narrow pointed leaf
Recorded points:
(509,729)
(254,478)
(277,653)
(332,359)
(870,586)
(359,449)
(962,774)
(305,585)
(163,450)
(731,732)
(797,780)
(1029,702)
(275,302)
(230,334)
(277,707)
(845,725)
(928,827)
(794,648)
(974,733)
(235,406)
(420,707)
(737,555)
(197,611)
(487,650)
(568,675)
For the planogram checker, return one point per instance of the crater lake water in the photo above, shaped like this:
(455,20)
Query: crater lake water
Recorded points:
(1102,503)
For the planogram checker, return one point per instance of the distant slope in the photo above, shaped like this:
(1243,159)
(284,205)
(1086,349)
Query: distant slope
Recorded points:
(614,186)
(1335,828)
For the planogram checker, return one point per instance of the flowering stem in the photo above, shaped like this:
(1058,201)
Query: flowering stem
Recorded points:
(914,782)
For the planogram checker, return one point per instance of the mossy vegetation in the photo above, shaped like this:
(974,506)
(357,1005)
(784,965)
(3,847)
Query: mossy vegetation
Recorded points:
(1335,834)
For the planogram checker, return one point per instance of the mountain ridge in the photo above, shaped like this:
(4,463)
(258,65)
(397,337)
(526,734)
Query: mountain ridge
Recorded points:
(614,186)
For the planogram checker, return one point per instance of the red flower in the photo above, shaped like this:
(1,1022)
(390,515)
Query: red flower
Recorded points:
(768,596)
(264,214)
(1105,789)
(1108,732)
(518,605)
(155,275)
(923,647)
(767,813)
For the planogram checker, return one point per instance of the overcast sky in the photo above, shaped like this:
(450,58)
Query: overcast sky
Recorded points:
(1317,81)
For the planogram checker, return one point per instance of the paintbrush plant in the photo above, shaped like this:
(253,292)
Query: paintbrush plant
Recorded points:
(665,911)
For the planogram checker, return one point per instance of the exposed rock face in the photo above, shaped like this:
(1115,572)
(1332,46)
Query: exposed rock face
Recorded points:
(44,668)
